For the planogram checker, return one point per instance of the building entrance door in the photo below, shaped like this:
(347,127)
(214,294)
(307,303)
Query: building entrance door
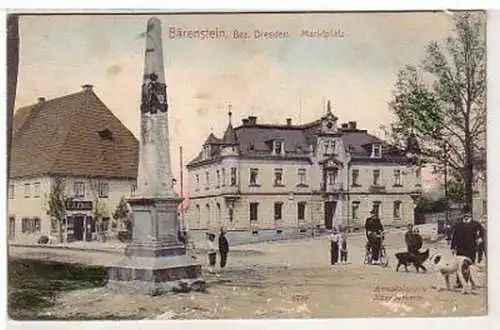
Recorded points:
(78,221)
(330,208)
(12,228)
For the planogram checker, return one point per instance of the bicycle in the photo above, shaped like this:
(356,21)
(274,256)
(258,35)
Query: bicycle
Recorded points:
(382,257)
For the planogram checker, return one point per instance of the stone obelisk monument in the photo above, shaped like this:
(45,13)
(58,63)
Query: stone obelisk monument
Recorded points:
(155,261)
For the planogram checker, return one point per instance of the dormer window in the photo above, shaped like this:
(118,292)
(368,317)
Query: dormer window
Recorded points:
(278,147)
(376,150)
(206,151)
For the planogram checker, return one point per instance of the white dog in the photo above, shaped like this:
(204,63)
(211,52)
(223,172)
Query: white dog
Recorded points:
(447,265)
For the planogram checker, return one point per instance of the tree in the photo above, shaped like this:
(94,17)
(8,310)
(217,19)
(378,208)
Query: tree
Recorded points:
(100,210)
(57,198)
(443,102)
(455,191)
(121,211)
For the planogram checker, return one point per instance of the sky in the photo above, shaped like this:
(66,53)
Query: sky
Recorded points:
(272,79)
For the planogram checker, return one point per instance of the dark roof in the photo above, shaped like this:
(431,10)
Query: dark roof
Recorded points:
(255,140)
(73,135)
(229,137)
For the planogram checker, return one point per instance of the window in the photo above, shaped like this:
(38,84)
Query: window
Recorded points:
(332,176)
(484,210)
(254,176)
(30,225)
(355,177)
(231,214)
(233,176)
(223,177)
(27,191)
(206,152)
(254,210)
(376,177)
(278,177)
(197,216)
(103,189)
(376,208)
(397,177)
(218,178)
(301,210)
(197,179)
(36,189)
(330,147)
(376,151)
(301,177)
(355,210)
(278,208)
(79,189)
(418,175)
(396,210)
(11,191)
(207,180)
(133,188)
(278,148)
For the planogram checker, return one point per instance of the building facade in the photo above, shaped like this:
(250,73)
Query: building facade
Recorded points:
(77,141)
(261,177)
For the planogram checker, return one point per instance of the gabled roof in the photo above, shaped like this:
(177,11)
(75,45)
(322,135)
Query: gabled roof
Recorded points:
(61,137)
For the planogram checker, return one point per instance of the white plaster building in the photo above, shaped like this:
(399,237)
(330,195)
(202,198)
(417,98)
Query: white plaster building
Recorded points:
(78,139)
(278,178)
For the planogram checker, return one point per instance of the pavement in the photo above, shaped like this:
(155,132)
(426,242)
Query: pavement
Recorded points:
(282,279)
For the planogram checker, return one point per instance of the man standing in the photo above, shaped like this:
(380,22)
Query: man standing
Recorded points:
(410,240)
(480,240)
(223,248)
(464,239)
(374,229)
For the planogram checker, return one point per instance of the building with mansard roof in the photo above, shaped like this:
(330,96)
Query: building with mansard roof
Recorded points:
(74,137)
(261,177)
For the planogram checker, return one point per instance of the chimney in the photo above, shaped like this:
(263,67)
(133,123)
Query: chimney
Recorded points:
(289,122)
(352,125)
(87,87)
(245,121)
(252,120)
(41,99)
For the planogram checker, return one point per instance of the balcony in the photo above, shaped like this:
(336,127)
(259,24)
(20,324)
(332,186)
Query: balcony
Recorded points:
(230,191)
(375,189)
(333,188)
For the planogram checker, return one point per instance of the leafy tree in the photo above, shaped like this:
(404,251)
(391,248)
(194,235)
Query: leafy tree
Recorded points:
(57,210)
(455,191)
(443,103)
(121,212)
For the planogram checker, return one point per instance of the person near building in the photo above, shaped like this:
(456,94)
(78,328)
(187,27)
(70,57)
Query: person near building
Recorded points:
(343,247)
(374,229)
(334,246)
(464,240)
(223,248)
(212,254)
(410,240)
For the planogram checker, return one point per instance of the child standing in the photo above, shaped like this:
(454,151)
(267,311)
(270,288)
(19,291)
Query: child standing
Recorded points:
(343,248)
(212,253)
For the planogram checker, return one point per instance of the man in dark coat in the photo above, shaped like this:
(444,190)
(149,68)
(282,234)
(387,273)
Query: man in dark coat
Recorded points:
(374,228)
(410,240)
(223,248)
(464,239)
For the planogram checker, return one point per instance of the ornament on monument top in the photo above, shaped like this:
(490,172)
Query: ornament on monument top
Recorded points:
(154,95)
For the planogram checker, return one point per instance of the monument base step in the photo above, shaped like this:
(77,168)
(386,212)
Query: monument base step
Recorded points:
(155,276)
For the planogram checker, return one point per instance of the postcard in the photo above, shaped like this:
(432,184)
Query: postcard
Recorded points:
(270,165)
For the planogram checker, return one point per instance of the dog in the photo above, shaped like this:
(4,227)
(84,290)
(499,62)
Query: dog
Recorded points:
(407,258)
(446,265)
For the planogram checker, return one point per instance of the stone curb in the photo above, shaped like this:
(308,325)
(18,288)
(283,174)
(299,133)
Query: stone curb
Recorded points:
(44,246)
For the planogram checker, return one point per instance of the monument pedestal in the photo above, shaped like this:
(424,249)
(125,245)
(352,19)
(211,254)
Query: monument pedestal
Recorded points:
(156,261)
